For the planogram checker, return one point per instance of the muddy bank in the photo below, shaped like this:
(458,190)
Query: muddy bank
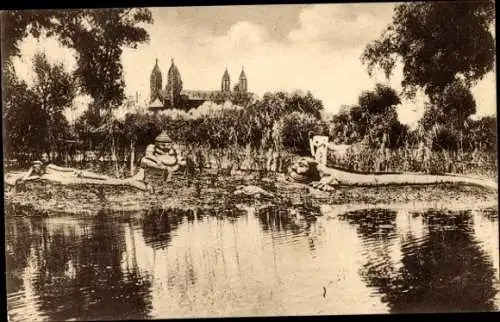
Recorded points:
(216,192)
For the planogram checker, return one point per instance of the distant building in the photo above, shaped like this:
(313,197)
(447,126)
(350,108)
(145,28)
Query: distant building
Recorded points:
(174,96)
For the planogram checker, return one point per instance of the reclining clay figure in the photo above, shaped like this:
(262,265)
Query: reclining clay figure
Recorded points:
(44,170)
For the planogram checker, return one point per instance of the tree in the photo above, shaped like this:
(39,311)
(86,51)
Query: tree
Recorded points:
(23,119)
(97,35)
(349,125)
(304,103)
(456,100)
(383,99)
(448,115)
(482,134)
(16,25)
(437,43)
(55,90)
(33,116)
(374,119)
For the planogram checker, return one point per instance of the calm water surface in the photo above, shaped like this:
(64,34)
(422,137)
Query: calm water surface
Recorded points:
(176,263)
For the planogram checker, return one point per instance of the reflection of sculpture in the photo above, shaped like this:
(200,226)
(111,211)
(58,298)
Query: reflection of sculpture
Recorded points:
(163,155)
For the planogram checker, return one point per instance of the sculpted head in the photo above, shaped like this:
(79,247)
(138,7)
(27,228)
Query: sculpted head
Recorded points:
(306,167)
(45,157)
(37,168)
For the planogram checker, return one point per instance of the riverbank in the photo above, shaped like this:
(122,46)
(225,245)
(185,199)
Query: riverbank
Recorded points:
(216,192)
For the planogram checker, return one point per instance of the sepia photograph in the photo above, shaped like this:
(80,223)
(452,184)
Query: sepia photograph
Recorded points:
(250,160)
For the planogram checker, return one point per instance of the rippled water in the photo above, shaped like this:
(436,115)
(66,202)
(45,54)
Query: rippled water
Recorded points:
(272,261)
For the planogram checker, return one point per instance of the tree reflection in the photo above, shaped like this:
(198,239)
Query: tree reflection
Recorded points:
(158,225)
(373,224)
(79,275)
(17,250)
(444,271)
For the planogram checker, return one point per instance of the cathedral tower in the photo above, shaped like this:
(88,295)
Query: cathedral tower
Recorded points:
(226,82)
(243,81)
(155,81)
(174,86)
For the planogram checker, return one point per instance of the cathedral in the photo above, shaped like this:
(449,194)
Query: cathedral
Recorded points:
(174,96)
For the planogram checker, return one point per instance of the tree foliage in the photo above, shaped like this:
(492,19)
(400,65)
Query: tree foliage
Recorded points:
(292,131)
(451,108)
(33,116)
(374,120)
(23,119)
(97,35)
(436,42)
(482,134)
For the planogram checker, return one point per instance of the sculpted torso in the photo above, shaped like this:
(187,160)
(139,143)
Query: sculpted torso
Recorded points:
(163,156)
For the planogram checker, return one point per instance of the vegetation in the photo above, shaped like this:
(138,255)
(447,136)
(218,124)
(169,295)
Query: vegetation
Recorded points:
(373,121)
(437,42)
(33,116)
(272,129)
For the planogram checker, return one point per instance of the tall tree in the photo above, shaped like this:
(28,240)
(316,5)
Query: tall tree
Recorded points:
(33,117)
(22,119)
(437,42)
(55,91)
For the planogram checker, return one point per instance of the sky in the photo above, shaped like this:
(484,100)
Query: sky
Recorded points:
(313,48)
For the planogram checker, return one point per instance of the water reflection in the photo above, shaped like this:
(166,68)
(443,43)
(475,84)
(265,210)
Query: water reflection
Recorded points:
(229,260)
(75,271)
(295,220)
(444,270)
(158,225)
(16,252)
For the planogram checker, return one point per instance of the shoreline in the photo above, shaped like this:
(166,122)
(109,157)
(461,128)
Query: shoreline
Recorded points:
(217,193)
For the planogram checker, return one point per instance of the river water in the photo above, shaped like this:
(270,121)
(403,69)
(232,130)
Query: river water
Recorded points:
(251,262)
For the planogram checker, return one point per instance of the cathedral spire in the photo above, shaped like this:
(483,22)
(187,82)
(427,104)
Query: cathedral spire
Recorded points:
(243,85)
(226,82)
(155,81)
(174,85)
(242,74)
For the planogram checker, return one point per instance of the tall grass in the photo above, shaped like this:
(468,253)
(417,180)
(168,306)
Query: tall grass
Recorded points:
(477,163)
